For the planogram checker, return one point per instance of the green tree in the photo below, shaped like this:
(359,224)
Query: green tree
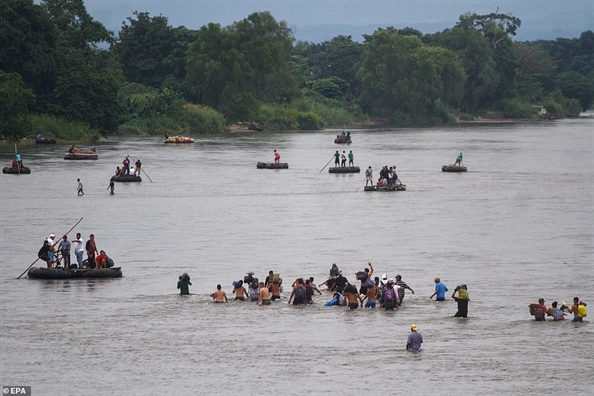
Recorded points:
(76,28)
(28,44)
(150,50)
(15,99)
(477,56)
(234,69)
(338,57)
(400,75)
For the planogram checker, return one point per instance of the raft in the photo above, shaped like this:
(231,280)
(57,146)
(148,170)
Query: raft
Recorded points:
(16,171)
(82,155)
(255,127)
(126,179)
(344,169)
(272,165)
(453,168)
(342,139)
(42,140)
(178,139)
(62,273)
(394,187)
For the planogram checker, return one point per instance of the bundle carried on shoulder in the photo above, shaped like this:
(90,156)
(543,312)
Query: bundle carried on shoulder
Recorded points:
(350,289)
(582,312)
(276,279)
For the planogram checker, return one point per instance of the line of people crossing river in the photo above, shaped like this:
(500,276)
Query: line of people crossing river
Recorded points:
(366,291)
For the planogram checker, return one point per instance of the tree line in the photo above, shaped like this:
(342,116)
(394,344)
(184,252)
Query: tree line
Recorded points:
(63,73)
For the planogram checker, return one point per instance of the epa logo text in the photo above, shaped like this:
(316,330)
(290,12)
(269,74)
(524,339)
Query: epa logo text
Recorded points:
(16,390)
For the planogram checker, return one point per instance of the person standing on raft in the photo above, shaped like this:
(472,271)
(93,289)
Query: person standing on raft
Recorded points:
(276,157)
(459,160)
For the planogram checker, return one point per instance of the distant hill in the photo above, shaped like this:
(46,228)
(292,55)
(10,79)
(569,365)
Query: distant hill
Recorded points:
(536,29)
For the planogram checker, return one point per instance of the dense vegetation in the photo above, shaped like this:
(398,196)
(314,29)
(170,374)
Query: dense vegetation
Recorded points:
(63,74)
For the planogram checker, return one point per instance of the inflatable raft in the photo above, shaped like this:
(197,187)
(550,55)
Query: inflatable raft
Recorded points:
(16,171)
(178,139)
(62,273)
(272,165)
(343,139)
(82,155)
(126,179)
(385,187)
(453,168)
(344,169)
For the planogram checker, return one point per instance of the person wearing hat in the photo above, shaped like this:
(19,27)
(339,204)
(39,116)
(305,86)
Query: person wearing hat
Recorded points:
(52,241)
(440,290)
(415,339)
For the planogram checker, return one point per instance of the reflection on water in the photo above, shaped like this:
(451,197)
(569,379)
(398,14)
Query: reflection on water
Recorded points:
(517,226)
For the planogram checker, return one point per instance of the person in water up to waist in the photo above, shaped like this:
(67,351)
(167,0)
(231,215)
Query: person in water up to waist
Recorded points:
(440,290)
(415,339)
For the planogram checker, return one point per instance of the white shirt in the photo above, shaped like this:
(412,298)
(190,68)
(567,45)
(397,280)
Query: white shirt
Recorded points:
(79,245)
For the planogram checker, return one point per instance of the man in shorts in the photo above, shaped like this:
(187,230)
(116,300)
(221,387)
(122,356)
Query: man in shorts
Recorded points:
(219,296)
(264,298)
(369,176)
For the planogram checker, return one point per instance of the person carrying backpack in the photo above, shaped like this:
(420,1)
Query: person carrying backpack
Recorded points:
(578,309)
(298,293)
(389,296)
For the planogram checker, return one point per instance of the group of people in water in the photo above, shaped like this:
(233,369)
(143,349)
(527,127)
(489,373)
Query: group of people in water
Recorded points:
(56,254)
(558,313)
(372,292)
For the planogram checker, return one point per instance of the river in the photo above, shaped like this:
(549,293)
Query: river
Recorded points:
(517,226)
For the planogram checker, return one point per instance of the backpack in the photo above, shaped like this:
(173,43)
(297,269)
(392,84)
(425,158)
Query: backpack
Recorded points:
(299,292)
(389,295)
(362,276)
(582,312)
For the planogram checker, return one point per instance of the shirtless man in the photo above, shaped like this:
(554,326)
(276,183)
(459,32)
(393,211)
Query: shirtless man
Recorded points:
(371,295)
(219,296)
(240,292)
(353,297)
(274,288)
(264,295)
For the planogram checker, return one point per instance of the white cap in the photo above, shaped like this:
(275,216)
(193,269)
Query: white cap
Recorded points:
(385,276)
(52,236)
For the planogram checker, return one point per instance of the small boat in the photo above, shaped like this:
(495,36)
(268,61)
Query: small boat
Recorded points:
(343,139)
(178,139)
(385,187)
(23,170)
(126,178)
(272,165)
(344,169)
(65,273)
(81,154)
(453,168)
(43,140)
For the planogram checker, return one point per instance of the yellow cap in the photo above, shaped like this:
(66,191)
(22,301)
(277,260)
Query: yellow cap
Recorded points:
(413,327)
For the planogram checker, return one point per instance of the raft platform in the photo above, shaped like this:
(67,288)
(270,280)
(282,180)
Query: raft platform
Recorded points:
(272,165)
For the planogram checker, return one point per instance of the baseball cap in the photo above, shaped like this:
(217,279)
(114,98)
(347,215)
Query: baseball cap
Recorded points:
(52,236)
(413,326)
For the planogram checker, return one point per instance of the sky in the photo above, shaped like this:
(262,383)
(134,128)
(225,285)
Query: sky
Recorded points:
(313,18)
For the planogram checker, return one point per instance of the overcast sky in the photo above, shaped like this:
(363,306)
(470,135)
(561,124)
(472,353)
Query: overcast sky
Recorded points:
(303,15)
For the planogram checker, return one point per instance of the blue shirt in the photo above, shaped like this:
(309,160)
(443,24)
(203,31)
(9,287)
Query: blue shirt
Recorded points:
(18,157)
(441,290)
(415,339)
